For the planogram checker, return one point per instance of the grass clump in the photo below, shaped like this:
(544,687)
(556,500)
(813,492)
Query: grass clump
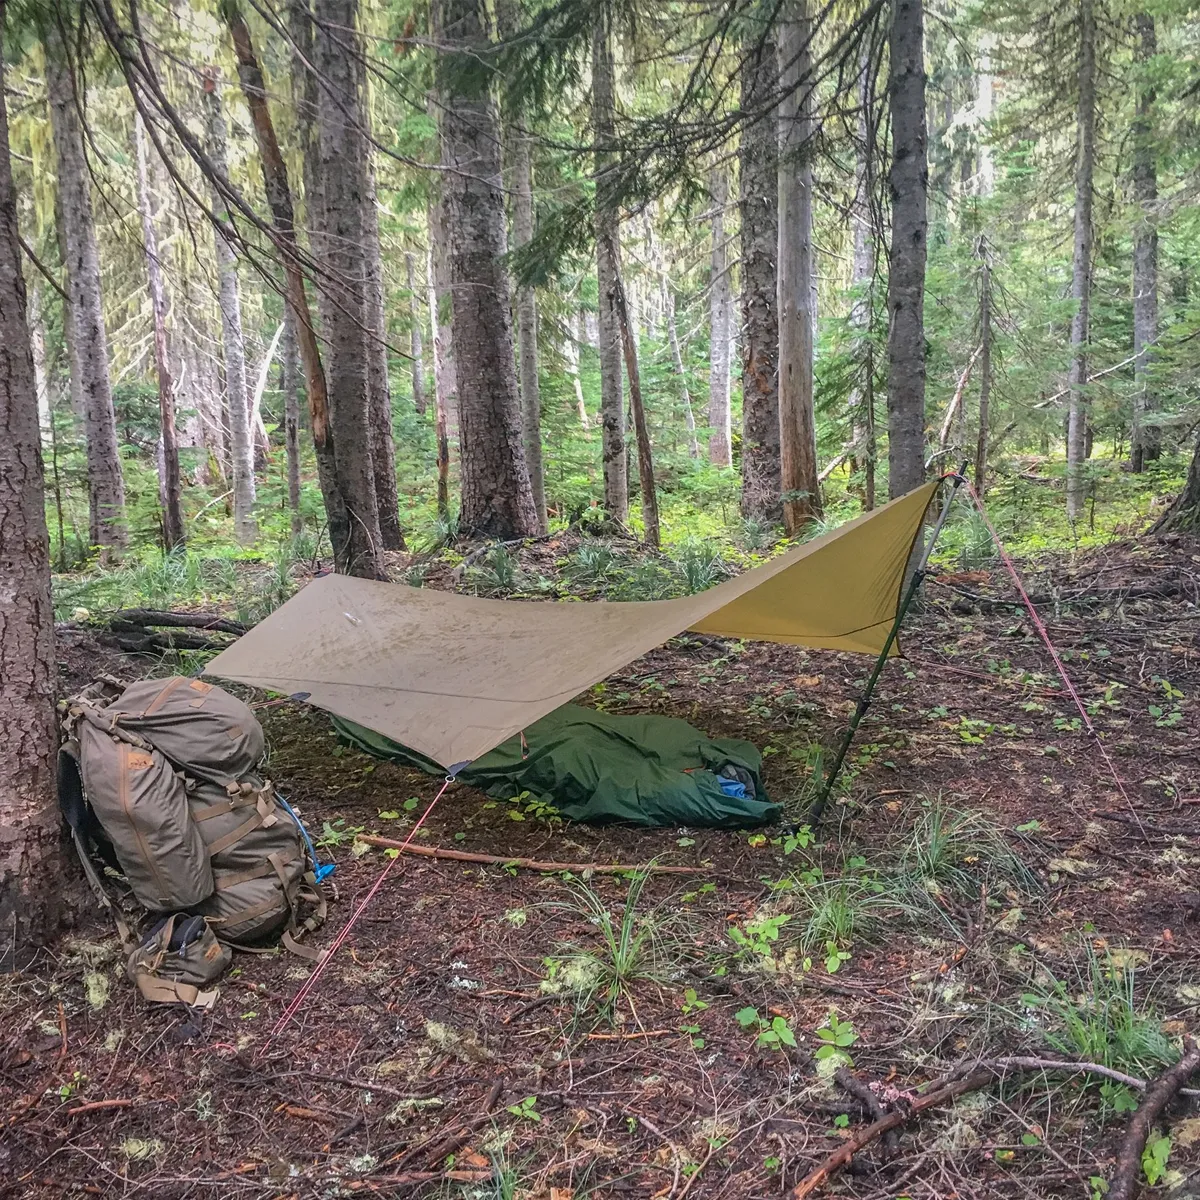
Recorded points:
(633,946)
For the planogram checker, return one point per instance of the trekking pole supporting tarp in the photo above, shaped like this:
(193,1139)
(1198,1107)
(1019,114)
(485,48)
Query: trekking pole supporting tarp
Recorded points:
(864,702)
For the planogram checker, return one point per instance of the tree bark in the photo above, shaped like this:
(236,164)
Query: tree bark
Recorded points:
(233,343)
(985,367)
(641,430)
(379,387)
(1145,442)
(279,198)
(527,320)
(169,490)
(1183,516)
(908,185)
(32,866)
(762,484)
(720,442)
(342,158)
(440,366)
(1079,412)
(797,424)
(290,382)
(88,342)
(862,276)
(497,500)
(608,267)
(446,376)
(416,345)
(571,348)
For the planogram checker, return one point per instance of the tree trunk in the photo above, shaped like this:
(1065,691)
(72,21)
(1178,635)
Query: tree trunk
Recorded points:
(1183,516)
(641,430)
(291,417)
(279,198)
(720,448)
(689,416)
(379,386)
(797,424)
(342,158)
(1079,412)
(908,185)
(497,500)
(439,245)
(862,276)
(88,341)
(985,367)
(233,344)
(571,348)
(761,478)
(415,344)
(440,367)
(1145,442)
(612,401)
(32,867)
(527,319)
(169,490)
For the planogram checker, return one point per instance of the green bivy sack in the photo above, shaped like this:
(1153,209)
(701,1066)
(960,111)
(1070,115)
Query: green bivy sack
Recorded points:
(599,767)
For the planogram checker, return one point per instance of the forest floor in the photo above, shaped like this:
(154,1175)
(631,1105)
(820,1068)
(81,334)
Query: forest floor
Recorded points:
(981,889)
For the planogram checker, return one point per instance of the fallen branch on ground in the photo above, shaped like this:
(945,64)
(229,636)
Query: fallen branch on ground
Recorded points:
(939,1093)
(1158,1096)
(862,1092)
(526,864)
(99,1106)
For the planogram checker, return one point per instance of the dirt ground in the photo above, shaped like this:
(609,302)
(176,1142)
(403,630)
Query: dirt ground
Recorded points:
(447,1051)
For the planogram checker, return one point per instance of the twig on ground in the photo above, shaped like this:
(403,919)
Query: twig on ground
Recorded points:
(1158,1096)
(98,1106)
(526,864)
(676,1157)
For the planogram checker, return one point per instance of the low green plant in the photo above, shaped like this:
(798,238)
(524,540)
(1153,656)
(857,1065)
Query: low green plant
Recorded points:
(771,1033)
(525,1110)
(836,1037)
(758,938)
(1093,1015)
(1154,1157)
(959,851)
(700,566)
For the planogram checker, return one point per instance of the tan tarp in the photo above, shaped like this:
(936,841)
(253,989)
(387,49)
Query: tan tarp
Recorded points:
(454,676)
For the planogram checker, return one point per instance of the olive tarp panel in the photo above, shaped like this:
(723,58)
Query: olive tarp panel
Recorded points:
(454,676)
(599,767)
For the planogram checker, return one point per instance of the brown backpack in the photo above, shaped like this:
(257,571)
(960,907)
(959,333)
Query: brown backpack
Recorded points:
(158,780)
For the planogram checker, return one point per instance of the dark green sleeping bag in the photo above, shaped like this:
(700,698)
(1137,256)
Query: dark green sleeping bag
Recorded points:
(599,767)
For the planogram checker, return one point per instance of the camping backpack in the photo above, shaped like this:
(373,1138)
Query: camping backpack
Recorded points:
(158,781)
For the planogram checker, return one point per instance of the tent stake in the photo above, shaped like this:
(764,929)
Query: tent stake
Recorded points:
(864,702)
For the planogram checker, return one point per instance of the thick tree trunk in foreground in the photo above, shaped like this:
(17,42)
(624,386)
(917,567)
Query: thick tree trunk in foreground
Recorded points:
(1146,439)
(31,859)
(88,341)
(641,429)
(761,478)
(908,185)
(291,416)
(497,500)
(346,324)
(279,198)
(1079,413)
(379,385)
(233,343)
(985,368)
(797,423)
(169,490)
(1184,514)
(608,267)
(527,320)
(416,346)
(720,301)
